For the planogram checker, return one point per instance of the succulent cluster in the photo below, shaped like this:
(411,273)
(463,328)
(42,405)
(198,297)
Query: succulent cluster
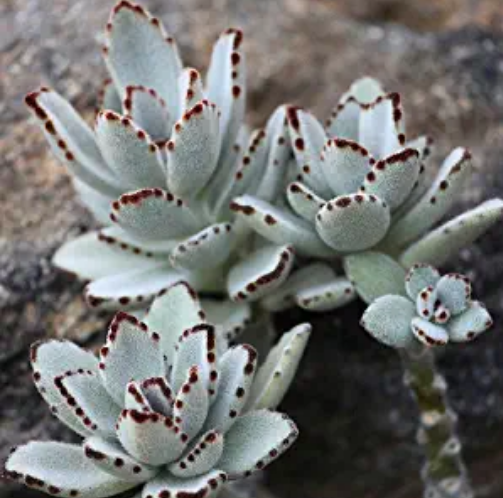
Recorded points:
(168,409)
(164,159)
(362,194)
(437,310)
(189,198)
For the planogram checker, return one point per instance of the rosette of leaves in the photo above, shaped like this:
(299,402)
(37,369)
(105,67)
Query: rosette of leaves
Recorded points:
(166,155)
(167,410)
(362,195)
(434,311)
(437,310)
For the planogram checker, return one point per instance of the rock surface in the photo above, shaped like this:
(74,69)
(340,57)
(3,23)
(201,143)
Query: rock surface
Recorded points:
(356,420)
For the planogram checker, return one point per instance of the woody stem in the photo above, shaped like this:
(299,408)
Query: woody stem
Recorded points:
(444,473)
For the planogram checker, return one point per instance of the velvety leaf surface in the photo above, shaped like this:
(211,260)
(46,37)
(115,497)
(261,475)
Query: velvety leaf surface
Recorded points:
(445,241)
(261,272)
(277,372)
(62,469)
(353,222)
(280,226)
(255,440)
(375,274)
(388,320)
(140,52)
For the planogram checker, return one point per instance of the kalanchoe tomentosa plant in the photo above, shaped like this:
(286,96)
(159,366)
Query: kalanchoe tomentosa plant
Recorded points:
(168,409)
(362,194)
(166,156)
(438,310)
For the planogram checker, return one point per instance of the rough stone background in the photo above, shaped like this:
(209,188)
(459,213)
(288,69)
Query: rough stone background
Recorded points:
(357,422)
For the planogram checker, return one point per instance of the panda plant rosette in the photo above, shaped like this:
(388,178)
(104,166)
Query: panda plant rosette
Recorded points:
(363,195)
(165,156)
(168,409)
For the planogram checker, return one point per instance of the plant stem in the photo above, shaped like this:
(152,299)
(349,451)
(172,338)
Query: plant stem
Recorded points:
(444,473)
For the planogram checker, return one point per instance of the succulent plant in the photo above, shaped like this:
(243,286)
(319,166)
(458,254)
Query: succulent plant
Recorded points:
(438,310)
(167,410)
(434,311)
(362,195)
(160,167)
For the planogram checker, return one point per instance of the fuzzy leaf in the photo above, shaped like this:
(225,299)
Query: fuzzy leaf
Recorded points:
(345,164)
(469,324)
(90,257)
(115,236)
(327,296)
(120,362)
(202,457)
(425,302)
(129,151)
(392,179)
(209,247)
(388,319)
(308,138)
(229,318)
(442,315)
(154,214)
(276,374)
(261,272)
(353,222)
(62,469)
(166,484)
(374,275)
(280,226)
(72,141)
(110,457)
(381,126)
(135,399)
(419,277)
(193,150)
(131,290)
(344,120)
(250,171)
(51,359)
(445,241)
(95,202)
(429,333)
(254,441)
(158,394)
(148,111)
(308,276)
(175,311)
(85,395)
(197,346)
(108,97)
(150,437)
(190,88)
(278,155)
(436,201)
(304,201)
(226,84)
(423,144)
(365,90)
(139,52)
(237,371)
(454,291)
(192,403)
